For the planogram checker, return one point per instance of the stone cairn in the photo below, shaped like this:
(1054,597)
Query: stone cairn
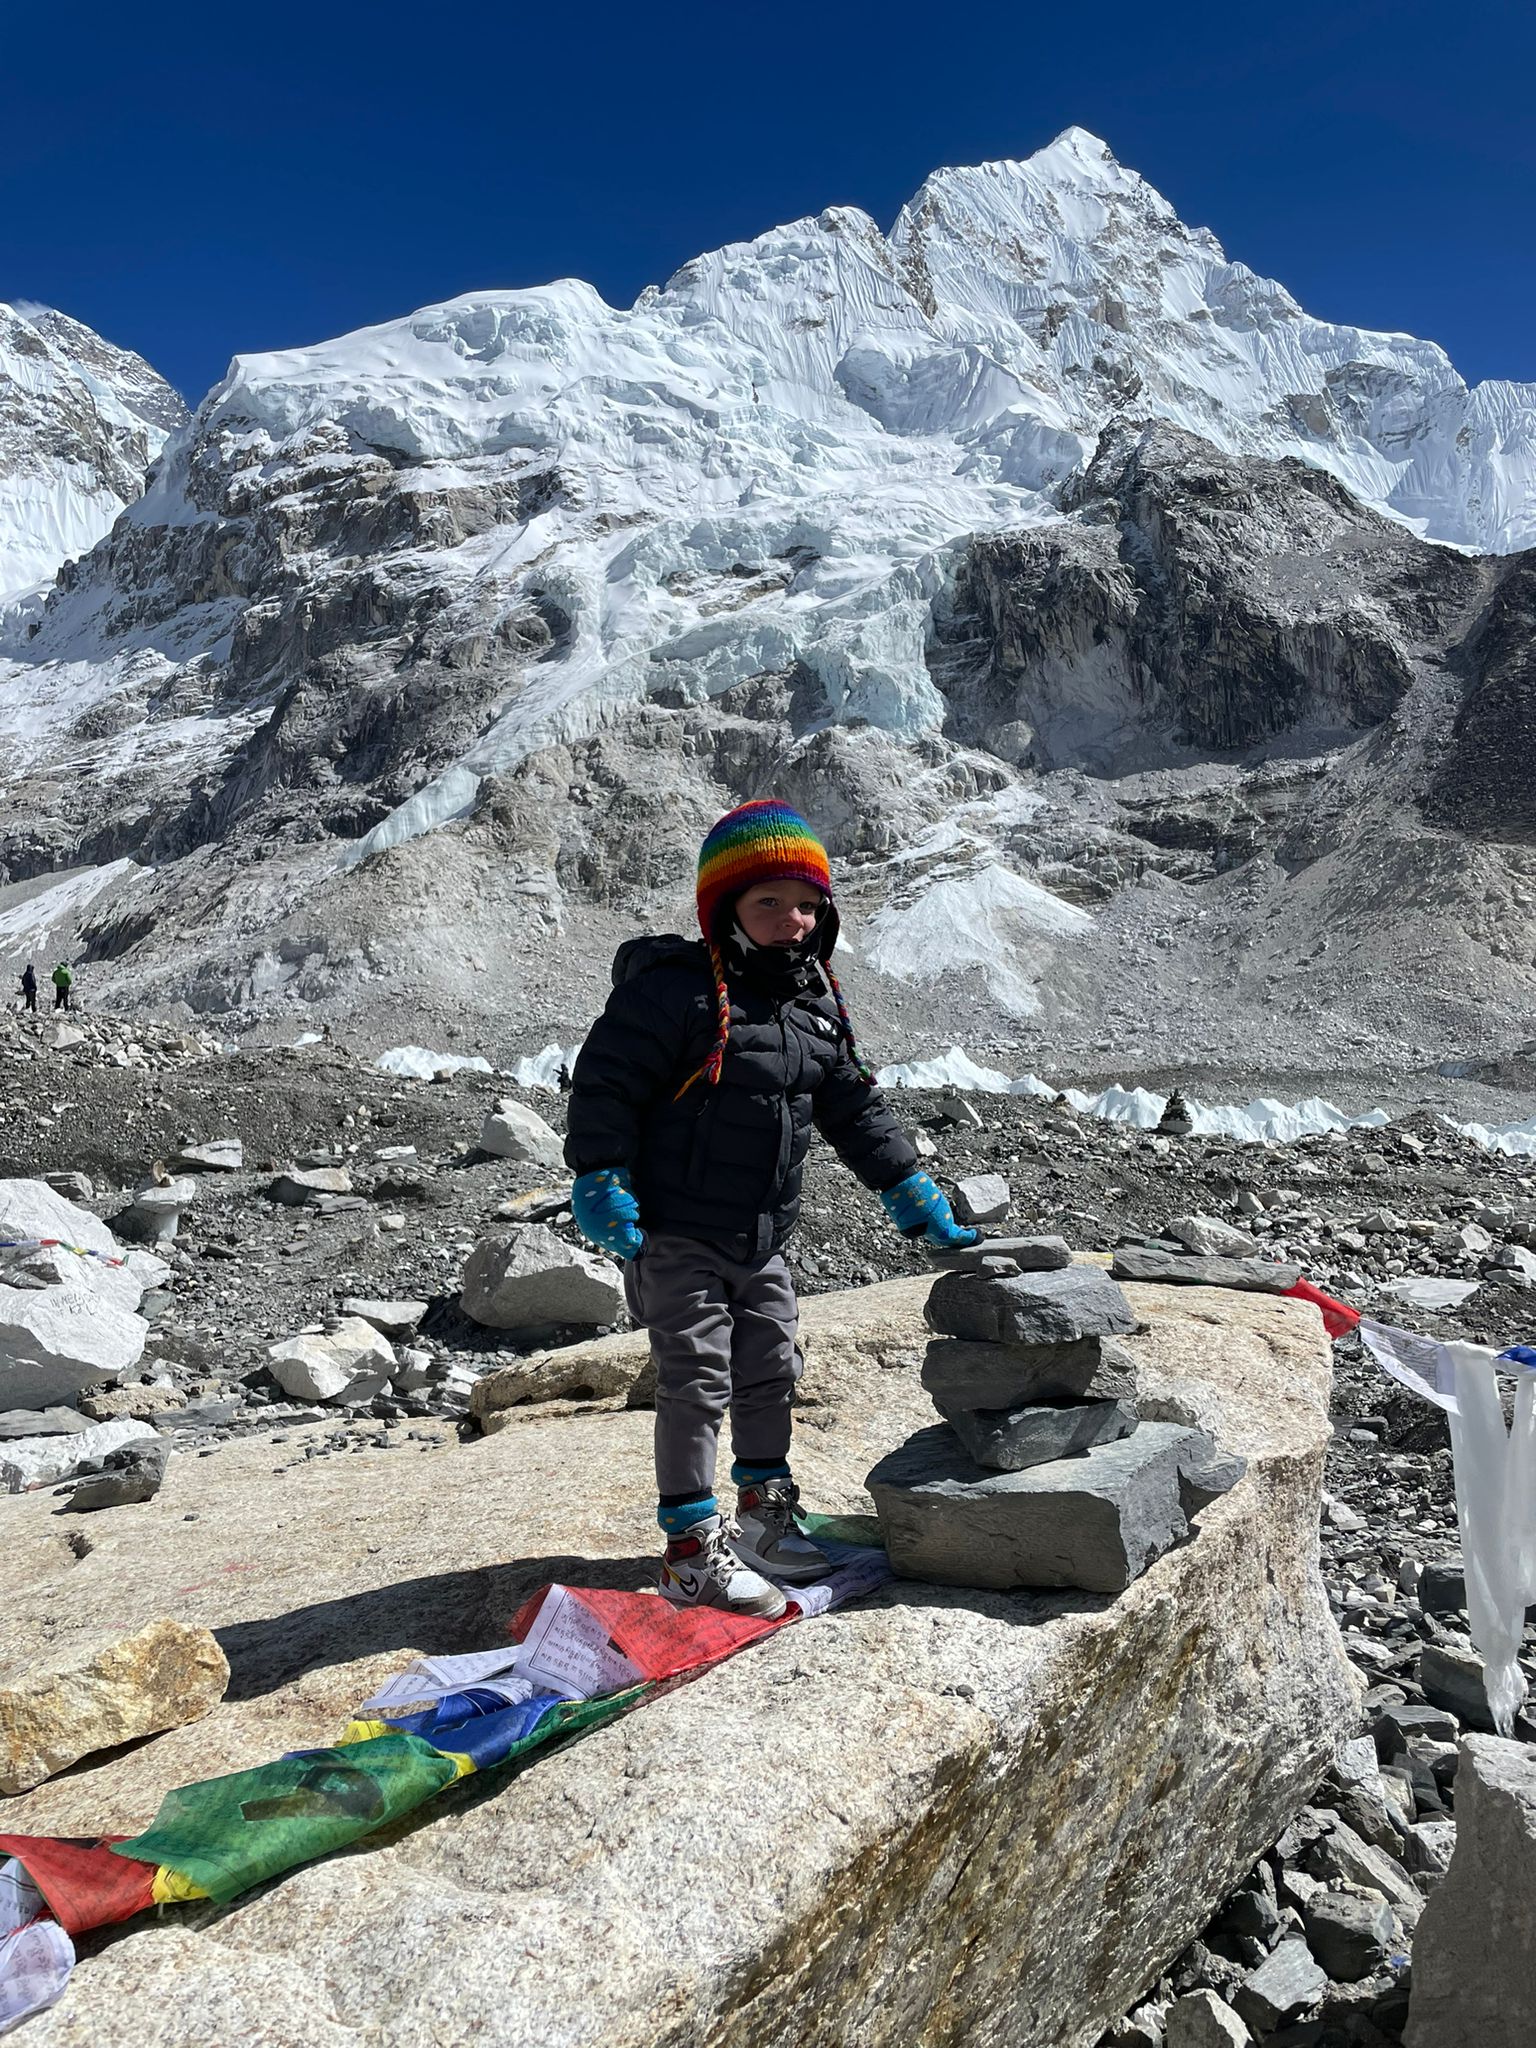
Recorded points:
(1042,1472)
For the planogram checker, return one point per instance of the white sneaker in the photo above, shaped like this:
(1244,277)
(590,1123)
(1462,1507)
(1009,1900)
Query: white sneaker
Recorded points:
(768,1537)
(700,1570)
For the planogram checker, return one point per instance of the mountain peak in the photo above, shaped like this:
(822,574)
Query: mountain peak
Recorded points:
(80,422)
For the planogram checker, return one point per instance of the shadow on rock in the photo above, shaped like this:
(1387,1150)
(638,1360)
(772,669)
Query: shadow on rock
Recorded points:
(444,1615)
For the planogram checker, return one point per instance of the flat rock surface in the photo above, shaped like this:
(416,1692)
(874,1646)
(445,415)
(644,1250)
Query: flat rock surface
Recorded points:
(922,1778)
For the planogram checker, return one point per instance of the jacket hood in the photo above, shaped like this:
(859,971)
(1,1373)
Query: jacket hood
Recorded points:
(656,949)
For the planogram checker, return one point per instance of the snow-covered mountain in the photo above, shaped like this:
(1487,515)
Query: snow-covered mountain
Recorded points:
(959,534)
(80,423)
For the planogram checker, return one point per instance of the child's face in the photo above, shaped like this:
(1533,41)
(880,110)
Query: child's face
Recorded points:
(778,913)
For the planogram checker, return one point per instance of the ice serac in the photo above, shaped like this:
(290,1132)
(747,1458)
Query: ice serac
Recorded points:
(973,1816)
(80,423)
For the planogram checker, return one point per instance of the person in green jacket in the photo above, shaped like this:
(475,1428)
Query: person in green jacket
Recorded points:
(63,981)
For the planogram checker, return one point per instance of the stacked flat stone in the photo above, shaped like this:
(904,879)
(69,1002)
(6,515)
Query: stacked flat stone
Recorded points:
(1041,1473)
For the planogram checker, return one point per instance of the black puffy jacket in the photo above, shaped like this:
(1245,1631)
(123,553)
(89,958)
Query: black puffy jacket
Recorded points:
(723,1163)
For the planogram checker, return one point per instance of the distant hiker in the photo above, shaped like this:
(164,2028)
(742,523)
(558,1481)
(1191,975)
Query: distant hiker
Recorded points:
(689,1121)
(63,981)
(29,986)
(563,1079)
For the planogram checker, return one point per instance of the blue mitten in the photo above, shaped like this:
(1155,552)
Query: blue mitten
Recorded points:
(920,1209)
(606,1211)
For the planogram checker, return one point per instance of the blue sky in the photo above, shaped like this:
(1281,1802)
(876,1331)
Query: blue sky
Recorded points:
(196,181)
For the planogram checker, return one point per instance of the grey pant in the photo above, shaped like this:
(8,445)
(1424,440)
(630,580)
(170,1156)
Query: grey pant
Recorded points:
(722,1335)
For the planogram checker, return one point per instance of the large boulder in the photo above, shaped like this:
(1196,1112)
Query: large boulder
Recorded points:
(45,1460)
(604,1369)
(971,1816)
(218,1155)
(67,1317)
(1473,1948)
(352,1362)
(56,1340)
(513,1131)
(57,1706)
(32,1209)
(527,1278)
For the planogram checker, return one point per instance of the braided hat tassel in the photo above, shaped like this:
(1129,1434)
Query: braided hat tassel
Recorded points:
(710,1071)
(842,1011)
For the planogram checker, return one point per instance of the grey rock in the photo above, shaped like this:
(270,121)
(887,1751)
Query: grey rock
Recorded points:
(1200,1968)
(1472,1953)
(983,1198)
(134,1472)
(1094,1522)
(1208,1237)
(1011,1440)
(300,1184)
(527,1278)
(1284,1984)
(513,1131)
(154,1215)
(1350,1935)
(1027,1255)
(64,1320)
(20,1422)
(1453,1678)
(215,1413)
(1251,1914)
(44,1461)
(1206,1473)
(75,1187)
(961,1374)
(1176,1120)
(396,1319)
(1442,1587)
(1342,1856)
(1202,2020)
(1139,2029)
(1396,1723)
(218,1155)
(1431,1844)
(1035,1308)
(351,1362)
(1259,1276)
(1129,1739)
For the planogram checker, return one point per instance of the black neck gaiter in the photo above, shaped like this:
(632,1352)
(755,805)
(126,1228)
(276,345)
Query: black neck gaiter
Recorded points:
(778,970)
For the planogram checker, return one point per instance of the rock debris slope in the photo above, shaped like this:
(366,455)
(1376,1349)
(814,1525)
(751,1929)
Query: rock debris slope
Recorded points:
(1067,573)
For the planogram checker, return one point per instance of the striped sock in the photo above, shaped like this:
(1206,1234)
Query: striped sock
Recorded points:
(677,1515)
(745,1474)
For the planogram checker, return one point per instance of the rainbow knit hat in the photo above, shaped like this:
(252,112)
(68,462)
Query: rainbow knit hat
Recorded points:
(761,842)
(764,841)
